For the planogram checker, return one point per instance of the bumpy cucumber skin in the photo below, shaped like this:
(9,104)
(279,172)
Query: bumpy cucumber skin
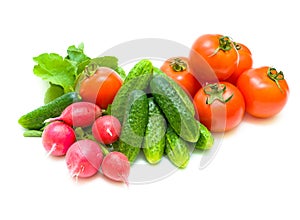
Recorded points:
(206,139)
(183,95)
(143,67)
(34,120)
(134,124)
(177,114)
(154,141)
(177,149)
(138,79)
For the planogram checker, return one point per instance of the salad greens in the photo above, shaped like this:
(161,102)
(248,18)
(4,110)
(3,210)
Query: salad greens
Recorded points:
(62,73)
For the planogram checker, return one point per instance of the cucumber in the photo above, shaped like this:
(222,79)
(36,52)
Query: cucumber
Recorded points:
(183,95)
(138,79)
(143,67)
(154,141)
(174,108)
(34,120)
(206,139)
(177,149)
(134,124)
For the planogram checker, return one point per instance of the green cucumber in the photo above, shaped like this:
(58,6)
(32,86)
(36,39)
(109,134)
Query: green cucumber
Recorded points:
(177,149)
(206,139)
(143,67)
(154,141)
(138,79)
(34,120)
(134,124)
(174,108)
(183,95)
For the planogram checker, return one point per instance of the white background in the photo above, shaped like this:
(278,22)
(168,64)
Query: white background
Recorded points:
(255,174)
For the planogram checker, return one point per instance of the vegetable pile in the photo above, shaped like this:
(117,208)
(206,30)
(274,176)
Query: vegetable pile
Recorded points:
(101,118)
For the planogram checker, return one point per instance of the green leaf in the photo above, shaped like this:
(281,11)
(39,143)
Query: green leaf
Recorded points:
(53,68)
(76,53)
(53,92)
(81,66)
(107,61)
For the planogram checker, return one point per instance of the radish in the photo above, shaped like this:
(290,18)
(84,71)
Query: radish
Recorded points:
(106,129)
(57,138)
(84,158)
(116,166)
(79,114)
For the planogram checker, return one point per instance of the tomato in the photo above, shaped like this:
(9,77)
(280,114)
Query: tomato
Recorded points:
(265,91)
(218,52)
(101,87)
(220,106)
(245,62)
(178,69)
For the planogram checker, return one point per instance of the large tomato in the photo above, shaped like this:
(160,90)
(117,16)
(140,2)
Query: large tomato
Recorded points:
(219,52)
(245,62)
(100,87)
(220,106)
(265,91)
(178,69)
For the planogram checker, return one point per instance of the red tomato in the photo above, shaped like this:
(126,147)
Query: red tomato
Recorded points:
(220,106)
(178,69)
(245,62)
(265,91)
(101,87)
(219,52)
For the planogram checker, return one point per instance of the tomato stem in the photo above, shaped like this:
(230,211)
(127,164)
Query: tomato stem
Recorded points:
(90,69)
(237,46)
(225,44)
(274,75)
(215,91)
(177,64)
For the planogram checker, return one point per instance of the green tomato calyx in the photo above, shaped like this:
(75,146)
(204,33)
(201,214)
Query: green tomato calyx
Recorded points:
(274,75)
(225,44)
(177,64)
(216,91)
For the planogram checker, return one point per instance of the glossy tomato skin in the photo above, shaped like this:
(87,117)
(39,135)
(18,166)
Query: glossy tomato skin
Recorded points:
(101,87)
(182,76)
(222,62)
(245,62)
(219,116)
(262,95)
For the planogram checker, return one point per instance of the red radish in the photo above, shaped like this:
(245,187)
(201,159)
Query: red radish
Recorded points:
(116,167)
(57,138)
(106,129)
(84,158)
(79,114)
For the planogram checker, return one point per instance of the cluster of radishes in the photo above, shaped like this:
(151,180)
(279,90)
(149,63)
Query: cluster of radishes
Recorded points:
(85,158)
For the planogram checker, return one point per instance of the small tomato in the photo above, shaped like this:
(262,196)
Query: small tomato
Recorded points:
(219,52)
(178,69)
(100,87)
(245,62)
(265,91)
(220,106)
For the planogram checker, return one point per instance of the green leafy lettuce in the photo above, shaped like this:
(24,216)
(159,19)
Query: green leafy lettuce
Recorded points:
(63,73)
